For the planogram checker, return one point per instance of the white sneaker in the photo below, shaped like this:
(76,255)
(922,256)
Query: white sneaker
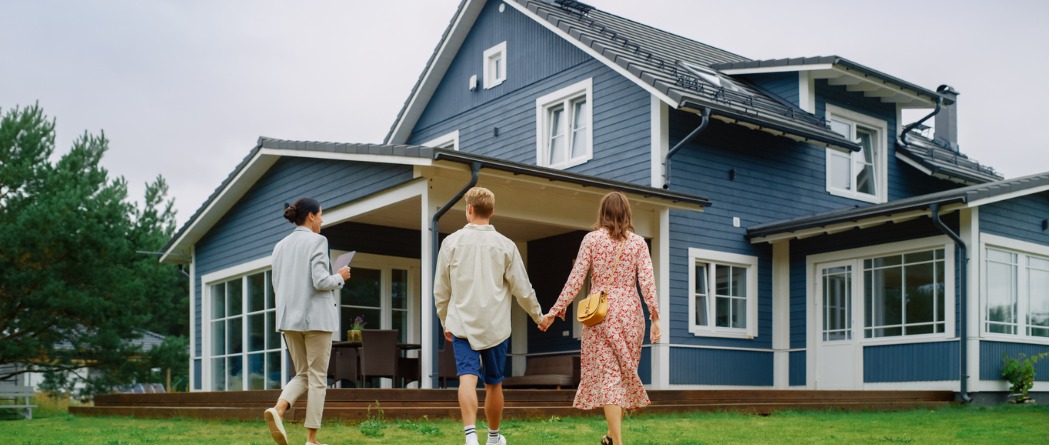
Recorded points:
(502,441)
(273,420)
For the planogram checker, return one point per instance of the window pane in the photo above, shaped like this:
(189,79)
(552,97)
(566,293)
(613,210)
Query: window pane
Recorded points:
(740,313)
(721,280)
(273,338)
(256,292)
(556,139)
(886,261)
(256,372)
(739,285)
(700,294)
(218,301)
(840,127)
(837,322)
(399,289)
(919,293)
(273,370)
(371,316)
(218,374)
(865,167)
(1000,256)
(1002,292)
(235,373)
(233,297)
(701,311)
(916,257)
(399,321)
(256,332)
(722,312)
(580,122)
(1038,298)
(218,337)
(838,170)
(886,296)
(233,336)
(363,289)
(270,304)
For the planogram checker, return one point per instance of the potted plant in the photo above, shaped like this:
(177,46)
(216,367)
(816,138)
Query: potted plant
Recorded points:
(354,334)
(1020,372)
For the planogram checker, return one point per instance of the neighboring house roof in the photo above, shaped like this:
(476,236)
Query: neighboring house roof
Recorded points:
(652,58)
(268,150)
(933,159)
(899,210)
(841,71)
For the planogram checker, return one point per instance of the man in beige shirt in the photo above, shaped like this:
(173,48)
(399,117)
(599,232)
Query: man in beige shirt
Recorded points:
(478,271)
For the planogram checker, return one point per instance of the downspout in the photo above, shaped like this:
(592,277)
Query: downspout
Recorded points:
(904,133)
(475,167)
(961,261)
(705,118)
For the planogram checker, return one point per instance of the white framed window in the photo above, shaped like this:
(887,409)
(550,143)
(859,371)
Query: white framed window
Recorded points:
(384,291)
(904,292)
(244,350)
(723,294)
(859,175)
(448,141)
(1015,300)
(495,65)
(564,126)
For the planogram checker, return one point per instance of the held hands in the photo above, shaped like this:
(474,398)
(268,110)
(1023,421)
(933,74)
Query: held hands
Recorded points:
(344,272)
(448,336)
(546,322)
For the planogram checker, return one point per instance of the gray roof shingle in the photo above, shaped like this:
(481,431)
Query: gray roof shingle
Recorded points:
(941,161)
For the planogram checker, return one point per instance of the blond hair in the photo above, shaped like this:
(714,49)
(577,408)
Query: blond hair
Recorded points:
(482,200)
(614,215)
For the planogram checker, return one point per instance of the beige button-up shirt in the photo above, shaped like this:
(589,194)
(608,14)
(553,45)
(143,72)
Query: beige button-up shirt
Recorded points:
(478,271)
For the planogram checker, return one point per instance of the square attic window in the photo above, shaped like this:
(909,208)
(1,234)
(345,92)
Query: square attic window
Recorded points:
(710,76)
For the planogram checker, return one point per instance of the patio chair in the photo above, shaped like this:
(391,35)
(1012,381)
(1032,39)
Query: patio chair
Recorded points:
(342,367)
(379,354)
(446,365)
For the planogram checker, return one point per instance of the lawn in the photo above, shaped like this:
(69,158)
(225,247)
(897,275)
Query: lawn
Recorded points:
(970,425)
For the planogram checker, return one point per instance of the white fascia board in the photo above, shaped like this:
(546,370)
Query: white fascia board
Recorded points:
(355,157)
(434,72)
(591,52)
(341,214)
(240,185)
(860,224)
(777,69)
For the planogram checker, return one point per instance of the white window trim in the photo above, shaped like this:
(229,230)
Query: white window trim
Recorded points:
(859,254)
(746,261)
(207,281)
(490,79)
(1015,246)
(575,90)
(448,140)
(385,264)
(881,156)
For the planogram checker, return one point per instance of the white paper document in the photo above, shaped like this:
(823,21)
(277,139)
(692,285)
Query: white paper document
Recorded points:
(343,260)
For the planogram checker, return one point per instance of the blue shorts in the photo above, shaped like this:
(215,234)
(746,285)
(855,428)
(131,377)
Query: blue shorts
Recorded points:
(469,361)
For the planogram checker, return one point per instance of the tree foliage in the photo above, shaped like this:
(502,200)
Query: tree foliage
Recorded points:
(76,282)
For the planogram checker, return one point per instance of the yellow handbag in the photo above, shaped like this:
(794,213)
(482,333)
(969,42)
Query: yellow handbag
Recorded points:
(592,309)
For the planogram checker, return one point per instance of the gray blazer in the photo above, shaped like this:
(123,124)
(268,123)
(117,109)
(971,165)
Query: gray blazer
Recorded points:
(303,283)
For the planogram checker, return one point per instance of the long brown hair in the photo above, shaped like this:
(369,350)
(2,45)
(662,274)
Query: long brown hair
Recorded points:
(614,215)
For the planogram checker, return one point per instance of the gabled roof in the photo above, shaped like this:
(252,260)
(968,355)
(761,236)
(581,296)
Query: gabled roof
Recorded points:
(933,159)
(653,59)
(900,210)
(841,71)
(268,150)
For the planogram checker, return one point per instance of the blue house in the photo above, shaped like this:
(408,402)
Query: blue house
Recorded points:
(803,235)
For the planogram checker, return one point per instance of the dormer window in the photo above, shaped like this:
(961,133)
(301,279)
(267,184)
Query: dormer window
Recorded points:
(859,175)
(495,65)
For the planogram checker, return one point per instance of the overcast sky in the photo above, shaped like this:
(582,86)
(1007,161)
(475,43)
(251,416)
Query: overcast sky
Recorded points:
(184,88)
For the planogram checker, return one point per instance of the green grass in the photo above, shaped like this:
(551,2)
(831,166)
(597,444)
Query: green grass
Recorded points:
(970,425)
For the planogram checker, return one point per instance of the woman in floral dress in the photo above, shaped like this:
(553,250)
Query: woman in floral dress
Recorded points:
(612,349)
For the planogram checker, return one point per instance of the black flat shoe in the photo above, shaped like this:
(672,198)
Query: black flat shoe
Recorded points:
(607,440)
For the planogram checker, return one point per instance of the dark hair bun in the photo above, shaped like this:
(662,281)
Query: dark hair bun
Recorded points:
(290,214)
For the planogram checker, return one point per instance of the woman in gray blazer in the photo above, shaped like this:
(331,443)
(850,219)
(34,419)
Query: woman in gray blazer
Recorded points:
(307,314)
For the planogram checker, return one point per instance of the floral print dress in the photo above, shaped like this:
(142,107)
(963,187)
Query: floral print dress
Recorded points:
(612,349)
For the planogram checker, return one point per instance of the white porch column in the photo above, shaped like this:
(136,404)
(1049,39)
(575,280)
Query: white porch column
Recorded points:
(969,231)
(781,313)
(661,353)
(519,321)
(426,289)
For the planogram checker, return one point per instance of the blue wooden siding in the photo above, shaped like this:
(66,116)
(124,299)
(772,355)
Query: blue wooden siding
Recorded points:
(501,122)
(251,227)
(912,362)
(797,368)
(1019,218)
(782,85)
(992,358)
(693,366)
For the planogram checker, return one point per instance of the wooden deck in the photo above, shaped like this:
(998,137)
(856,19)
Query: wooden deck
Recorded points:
(359,404)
